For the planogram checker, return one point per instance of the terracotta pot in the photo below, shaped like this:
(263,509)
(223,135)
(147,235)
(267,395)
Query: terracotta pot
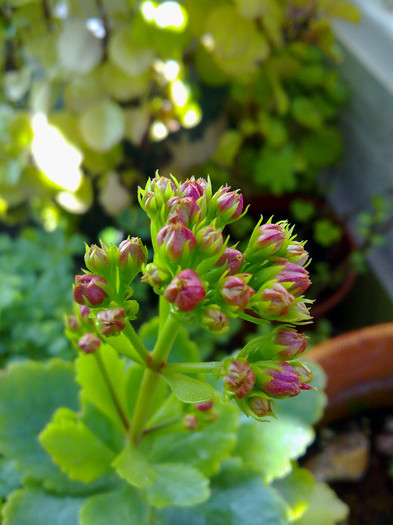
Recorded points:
(359,369)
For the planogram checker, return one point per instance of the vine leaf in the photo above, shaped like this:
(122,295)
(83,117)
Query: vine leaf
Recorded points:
(133,466)
(77,451)
(189,390)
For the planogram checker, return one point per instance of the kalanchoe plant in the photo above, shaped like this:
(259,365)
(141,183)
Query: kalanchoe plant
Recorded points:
(150,436)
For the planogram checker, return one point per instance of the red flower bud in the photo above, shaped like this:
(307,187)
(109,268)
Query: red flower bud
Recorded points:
(204,407)
(84,310)
(236,291)
(230,202)
(297,254)
(182,209)
(233,258)
(192,188)
(162,183)
(185,291)
(111,321)
(295,274)
(277,300)
(90,288)
(89,343)
(295,343)
(209,239)
(271,237)
(260,406)
(239,378)
(283,382)
(96,258)
(215,319)
(132,253)
(175,237)
(72,323)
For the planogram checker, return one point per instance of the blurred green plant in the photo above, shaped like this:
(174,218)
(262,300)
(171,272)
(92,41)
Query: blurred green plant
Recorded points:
(35,271)
(96,91)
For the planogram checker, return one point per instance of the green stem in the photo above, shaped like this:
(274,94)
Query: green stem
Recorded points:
(159,426)
(191,368)
(112,392)
(122,345)
(150,380)
(164,312)
(136,342)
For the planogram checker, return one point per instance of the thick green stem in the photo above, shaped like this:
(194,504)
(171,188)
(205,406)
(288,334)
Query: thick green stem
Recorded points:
(164,312)
(150,380)
(191,368)
(136,342)
(112,392)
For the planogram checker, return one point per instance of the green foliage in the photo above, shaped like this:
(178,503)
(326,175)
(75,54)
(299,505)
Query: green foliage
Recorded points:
(35,271)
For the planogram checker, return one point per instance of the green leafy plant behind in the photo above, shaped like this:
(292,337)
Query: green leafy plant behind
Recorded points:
(139,429)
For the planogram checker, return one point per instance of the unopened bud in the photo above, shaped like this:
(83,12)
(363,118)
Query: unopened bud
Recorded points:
(96,258)
(209,239)
(190,421)
(154,275)
(296,275)
(89,343)
(192,188)
(270,237)
(233,259)
(304,374)
(185,290)
(239,378)
(162,184)
(297,254)
(260,406)
(111,321)
(295,344)
(182,209)
(276,300)
(84,310)
(236,292)
(204,407)
(90,288)
(230,203)
(132,253)
(215,319)
(283,382)
(71,322)
(175,237)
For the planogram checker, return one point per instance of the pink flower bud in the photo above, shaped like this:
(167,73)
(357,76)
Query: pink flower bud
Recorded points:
(182,209)
(192,188)
(260,406)
(209,239)
(277,299)
(204,407)
(90,288)
(304,374)
(154,275)
(295,274)
(215,319)
(239,378)
(233,258)
(96,258)
(271,237)
(297,254)
(283,382)
(185,291)
(295,343)
(111,321)
(162,183)
(132,253)
(72,323)
(236,291)
(84,310)
(190,422)
(89,343)
(175,237)
(230,202)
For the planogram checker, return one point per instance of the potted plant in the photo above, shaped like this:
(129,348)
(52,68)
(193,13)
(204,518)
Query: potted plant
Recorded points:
(136,430)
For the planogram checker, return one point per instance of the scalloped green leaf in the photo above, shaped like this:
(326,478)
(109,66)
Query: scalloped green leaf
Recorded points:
(269,448)
(325,508)
(30,392)
(120,507)
(103,427)
(189,390)
(296,490)
(178,485)
(95,383)
(133,466)
(205,450)
(76,450)
(36,507)
(238,497)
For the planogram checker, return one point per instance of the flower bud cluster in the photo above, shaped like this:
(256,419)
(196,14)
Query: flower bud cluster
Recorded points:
(202,276)
(267,369)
